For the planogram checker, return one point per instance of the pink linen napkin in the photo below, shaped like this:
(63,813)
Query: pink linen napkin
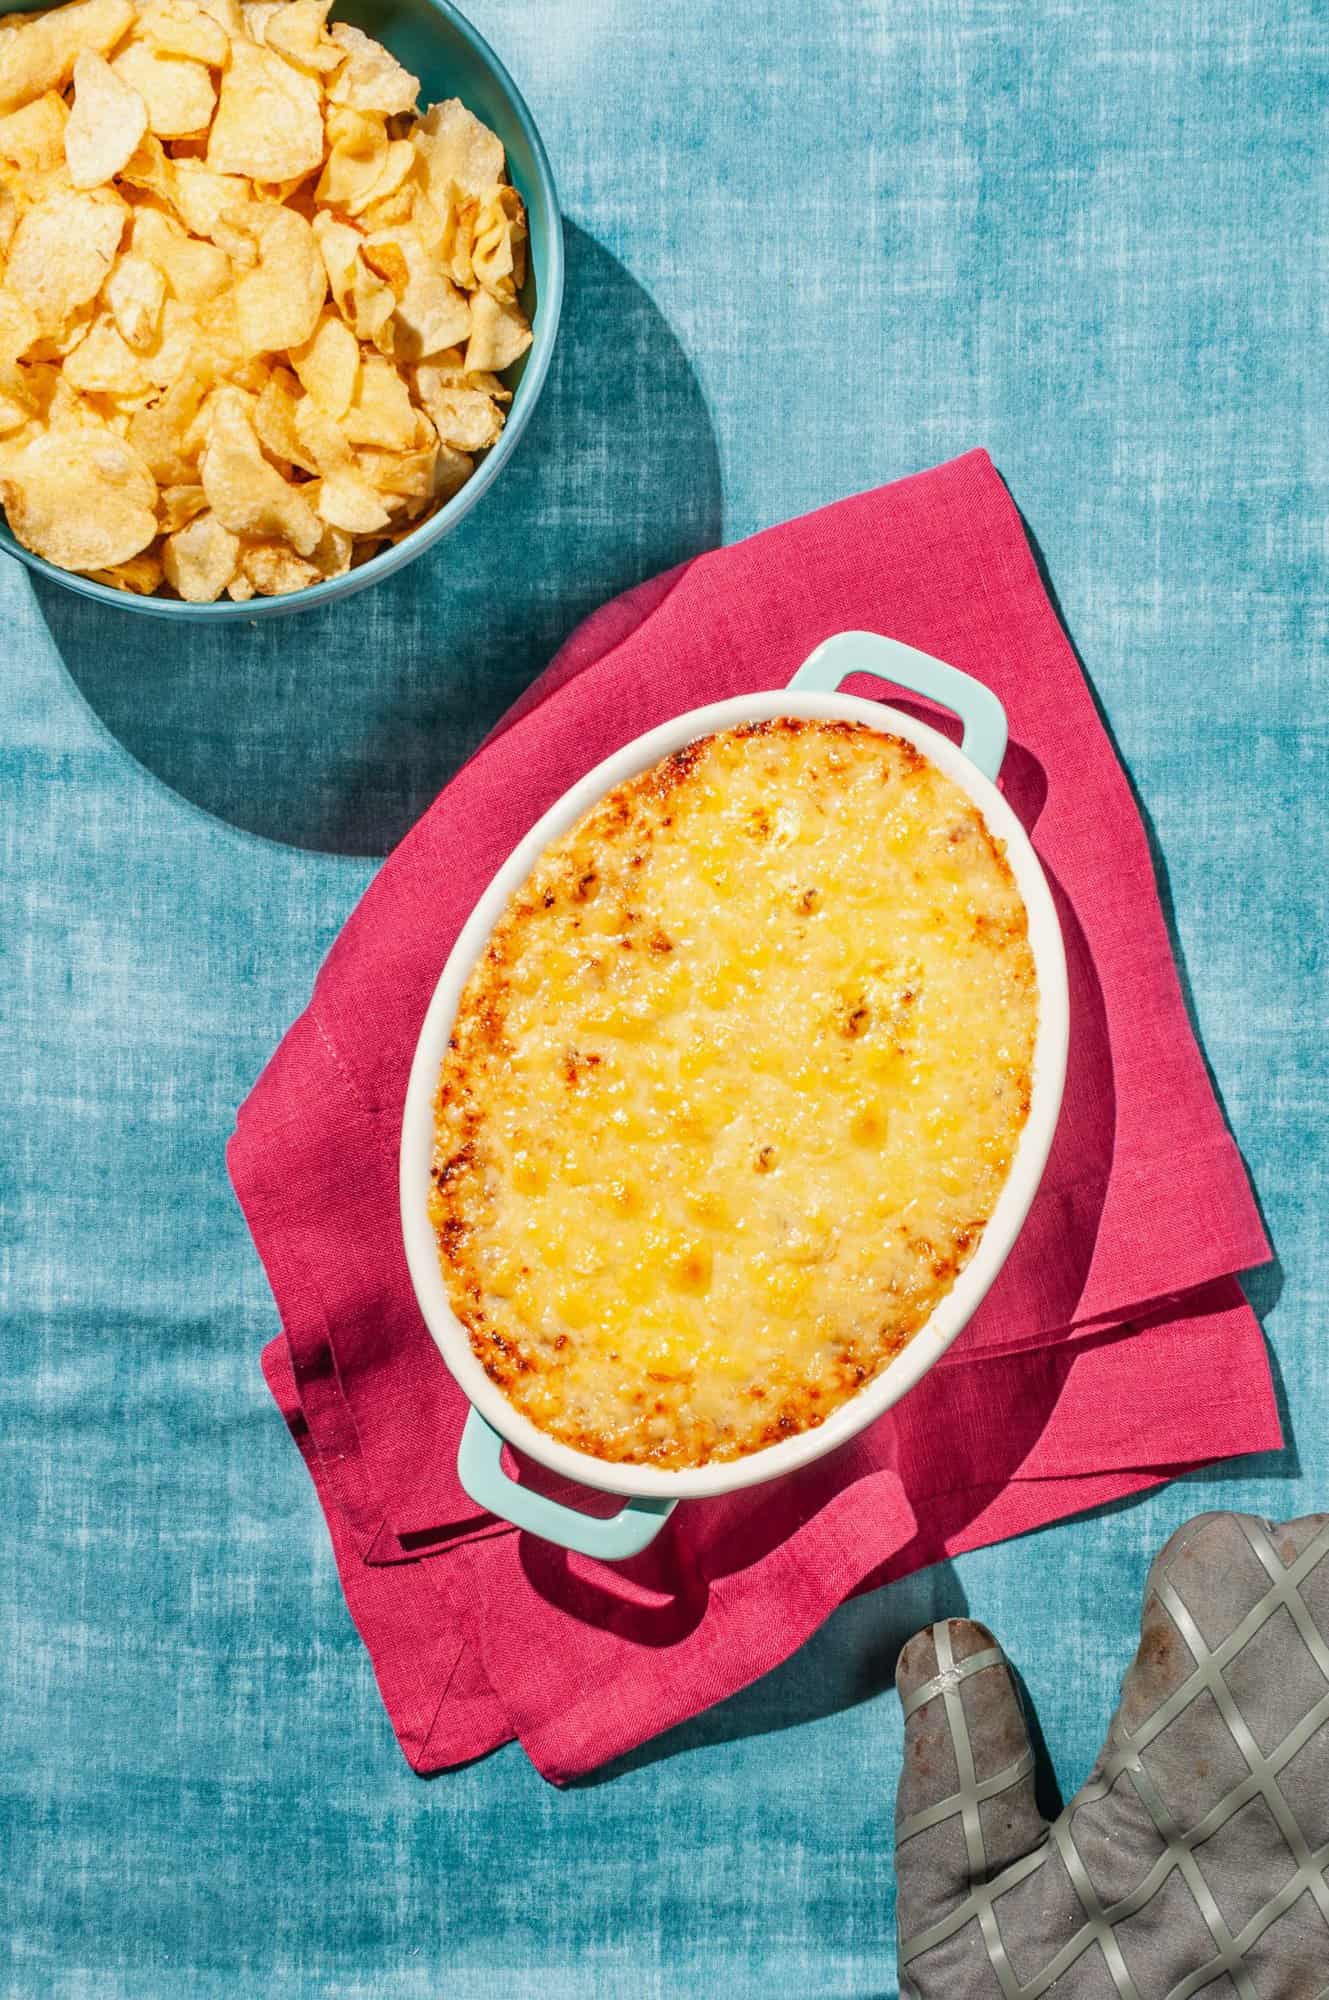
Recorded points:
(1115,1350)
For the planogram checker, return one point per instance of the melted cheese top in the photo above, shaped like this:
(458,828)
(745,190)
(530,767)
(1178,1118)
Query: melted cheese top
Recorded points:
(732,1092)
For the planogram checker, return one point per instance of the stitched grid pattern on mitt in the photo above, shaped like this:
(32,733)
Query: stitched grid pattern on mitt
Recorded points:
(1194,1859)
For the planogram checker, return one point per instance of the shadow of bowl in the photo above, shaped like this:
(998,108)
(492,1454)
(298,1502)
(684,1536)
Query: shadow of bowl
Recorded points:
(335,730)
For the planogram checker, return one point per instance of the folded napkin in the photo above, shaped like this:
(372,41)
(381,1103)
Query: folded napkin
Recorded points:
(1115,1350)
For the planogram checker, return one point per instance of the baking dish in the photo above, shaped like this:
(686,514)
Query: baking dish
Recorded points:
(650,1492)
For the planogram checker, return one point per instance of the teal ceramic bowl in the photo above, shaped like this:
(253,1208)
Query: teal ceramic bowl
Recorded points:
(451,59)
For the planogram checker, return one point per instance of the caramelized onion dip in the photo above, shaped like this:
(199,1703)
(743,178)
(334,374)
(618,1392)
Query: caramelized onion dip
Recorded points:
(732,1092)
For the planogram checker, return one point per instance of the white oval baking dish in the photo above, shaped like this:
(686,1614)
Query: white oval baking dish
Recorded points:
(651,1492)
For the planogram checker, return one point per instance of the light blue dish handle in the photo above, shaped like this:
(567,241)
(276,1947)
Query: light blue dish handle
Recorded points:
(984,718)
(480,1469)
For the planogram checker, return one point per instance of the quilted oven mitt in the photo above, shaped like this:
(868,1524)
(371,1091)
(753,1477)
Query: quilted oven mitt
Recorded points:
(1194,1859)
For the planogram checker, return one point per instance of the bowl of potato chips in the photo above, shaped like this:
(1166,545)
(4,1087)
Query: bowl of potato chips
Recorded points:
(280,288)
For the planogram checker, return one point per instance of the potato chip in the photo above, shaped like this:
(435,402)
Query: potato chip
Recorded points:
(150,169)
(142,574)
(269,122)
(274,571)
(448,371)
(458,240)
(332,557)
(40,55)
(41,379)
(257,14)
(430,226)
(33,139)
(178,92)
(339,246)
(249,373)
(328,365)
(295,30)
(248,495)
(467,419)
(387,260)
(193,271)
(457,151)
(499,334)
(19,326)
(184,349)
(357,156)
(365,302)
(277,304)
(274,421)
(400,476)
(66,406)
(200,558)
(9,213)
(395,209)
(62,252)
(180,28)
(53,347)
(178,504)
(107,122)
(408,482)
(135,292)
(291,194)
(451,472)
(431,314)
(380,411)
(442,371)
(200,197)
(233,233)
(370,79)
(104,364)
(80,496)
(347,500)
(24,395)
(394,179)
(227,15)
(321,440)
(160,432)
(498,244)
(17,404)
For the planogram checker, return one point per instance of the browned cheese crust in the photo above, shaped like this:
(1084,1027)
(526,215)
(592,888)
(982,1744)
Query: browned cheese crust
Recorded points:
(732,1092)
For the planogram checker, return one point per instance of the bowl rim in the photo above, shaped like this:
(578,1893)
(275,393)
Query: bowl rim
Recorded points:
(952,1312)
(544,329)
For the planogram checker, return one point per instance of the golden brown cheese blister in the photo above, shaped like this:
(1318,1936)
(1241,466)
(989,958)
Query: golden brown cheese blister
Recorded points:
(733,1091)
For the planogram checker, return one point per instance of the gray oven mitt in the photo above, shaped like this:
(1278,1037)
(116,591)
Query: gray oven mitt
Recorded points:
(1194,1859)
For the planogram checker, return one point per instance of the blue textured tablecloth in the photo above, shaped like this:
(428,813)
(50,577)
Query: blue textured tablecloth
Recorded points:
(812,247)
